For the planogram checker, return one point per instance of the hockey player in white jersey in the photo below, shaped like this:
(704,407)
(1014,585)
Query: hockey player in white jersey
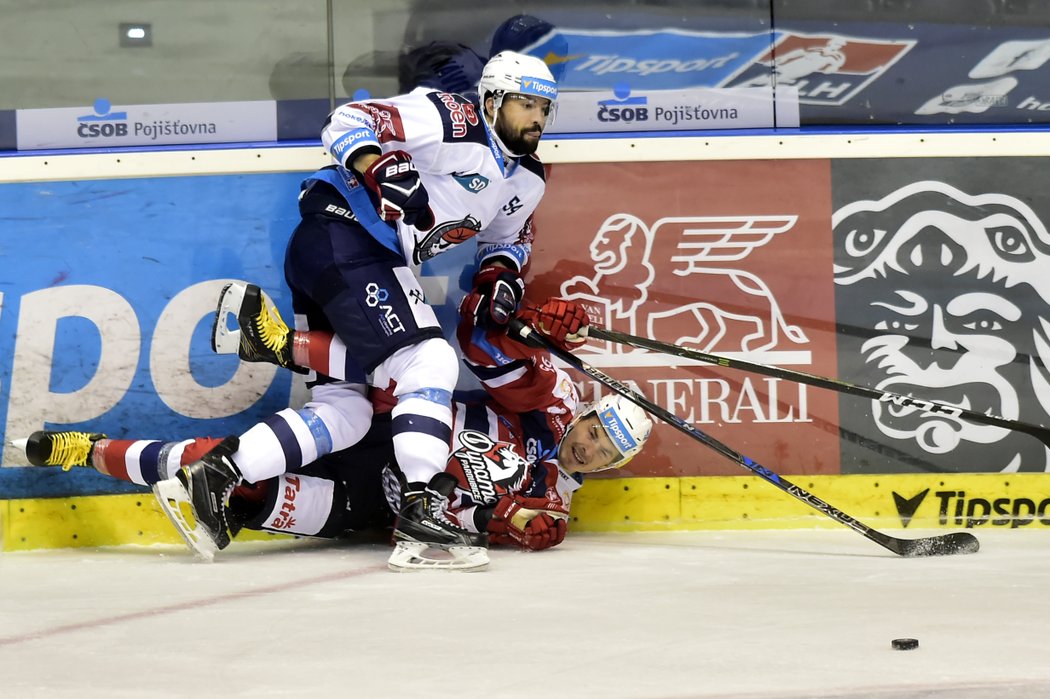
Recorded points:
(415,175)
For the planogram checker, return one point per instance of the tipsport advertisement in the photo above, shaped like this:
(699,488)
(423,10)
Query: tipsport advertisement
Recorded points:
(926,281)
(839,72)
(108,290)
(107,296)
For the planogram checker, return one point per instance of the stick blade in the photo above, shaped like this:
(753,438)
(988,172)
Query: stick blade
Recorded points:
(946,545)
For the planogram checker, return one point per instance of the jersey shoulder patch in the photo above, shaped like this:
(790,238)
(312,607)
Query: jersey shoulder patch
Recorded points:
(459,117)
(389,126)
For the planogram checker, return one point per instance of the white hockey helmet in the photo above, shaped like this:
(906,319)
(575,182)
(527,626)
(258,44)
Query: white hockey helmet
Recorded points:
(626,423)
(509,71)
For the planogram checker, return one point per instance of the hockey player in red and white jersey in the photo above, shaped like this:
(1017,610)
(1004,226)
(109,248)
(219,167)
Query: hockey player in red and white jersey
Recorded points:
(414,175)
(516,457)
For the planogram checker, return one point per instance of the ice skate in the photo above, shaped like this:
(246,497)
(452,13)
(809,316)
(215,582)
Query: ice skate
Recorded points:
(197,498)
(65,449)
(425,539)
(261,335)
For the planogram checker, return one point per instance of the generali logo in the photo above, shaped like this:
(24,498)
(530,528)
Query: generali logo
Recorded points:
(708,251)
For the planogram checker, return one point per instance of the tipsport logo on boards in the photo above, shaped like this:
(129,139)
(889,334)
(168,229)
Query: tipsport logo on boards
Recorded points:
(104,125)
(959,508)
(825,69)
(647,60)
(85,347)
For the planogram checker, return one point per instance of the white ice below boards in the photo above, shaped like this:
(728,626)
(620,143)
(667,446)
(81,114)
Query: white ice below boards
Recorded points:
(741,615)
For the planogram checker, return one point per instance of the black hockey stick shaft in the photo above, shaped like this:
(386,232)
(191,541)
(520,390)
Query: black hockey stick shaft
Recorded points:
(947,544)
(929,406)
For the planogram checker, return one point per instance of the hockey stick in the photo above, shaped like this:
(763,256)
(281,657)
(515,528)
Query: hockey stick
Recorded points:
(1039,432)
(942,545)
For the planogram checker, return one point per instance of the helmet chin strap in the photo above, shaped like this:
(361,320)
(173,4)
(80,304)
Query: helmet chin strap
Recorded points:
(496,105)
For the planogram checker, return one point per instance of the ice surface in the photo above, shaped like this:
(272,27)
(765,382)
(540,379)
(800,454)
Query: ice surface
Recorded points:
(747,615)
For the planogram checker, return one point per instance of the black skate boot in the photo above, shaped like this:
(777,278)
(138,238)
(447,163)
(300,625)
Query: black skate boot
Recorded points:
(65,449)
(422,524)
(205,486)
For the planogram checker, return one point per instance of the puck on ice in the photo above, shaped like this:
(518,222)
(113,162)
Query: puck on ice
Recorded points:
(905,643)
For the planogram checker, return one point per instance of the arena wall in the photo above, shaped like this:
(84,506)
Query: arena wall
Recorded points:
(772,248)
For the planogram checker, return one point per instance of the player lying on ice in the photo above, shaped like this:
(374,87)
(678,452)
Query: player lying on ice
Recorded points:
(515,458)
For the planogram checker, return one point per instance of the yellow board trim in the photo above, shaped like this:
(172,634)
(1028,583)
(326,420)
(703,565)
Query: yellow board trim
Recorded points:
(951,501)
(99,520)
(749,502)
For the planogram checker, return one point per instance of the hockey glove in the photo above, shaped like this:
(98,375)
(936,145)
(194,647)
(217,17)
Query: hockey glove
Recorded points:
(395,181)
(528,523)
(565,323)
(495,298)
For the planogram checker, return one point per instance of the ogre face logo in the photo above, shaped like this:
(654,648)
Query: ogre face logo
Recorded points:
(949,298)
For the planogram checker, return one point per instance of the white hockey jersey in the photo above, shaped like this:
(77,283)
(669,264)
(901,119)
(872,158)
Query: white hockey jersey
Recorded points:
(476,191)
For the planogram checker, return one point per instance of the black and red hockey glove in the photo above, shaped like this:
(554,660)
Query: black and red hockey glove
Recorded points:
(564,322)
(395,181)
(528,523)
(495,297)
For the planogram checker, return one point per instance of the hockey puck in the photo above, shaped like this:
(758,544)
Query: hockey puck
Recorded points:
(905,643)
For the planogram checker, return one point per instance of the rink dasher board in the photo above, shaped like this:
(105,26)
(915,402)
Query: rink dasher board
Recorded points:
(759,145)
(908,502)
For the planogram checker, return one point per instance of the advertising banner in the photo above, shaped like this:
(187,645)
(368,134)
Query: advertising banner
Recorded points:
(723,257)
(942,293)
(926,280)
(107,125)
(605,111)
(108,296)
(647,59)
(107,299)
(916,73)
(842,72)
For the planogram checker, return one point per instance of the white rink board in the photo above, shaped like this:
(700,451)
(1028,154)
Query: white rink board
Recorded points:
(248,159)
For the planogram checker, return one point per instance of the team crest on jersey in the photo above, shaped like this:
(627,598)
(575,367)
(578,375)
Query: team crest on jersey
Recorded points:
(482,464)
(445,236)
(388,121)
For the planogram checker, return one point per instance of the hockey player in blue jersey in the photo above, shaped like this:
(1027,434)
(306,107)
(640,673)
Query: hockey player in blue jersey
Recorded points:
(516,458)
(415,175)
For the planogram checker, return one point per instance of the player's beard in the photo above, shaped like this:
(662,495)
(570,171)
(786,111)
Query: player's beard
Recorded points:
(516,141)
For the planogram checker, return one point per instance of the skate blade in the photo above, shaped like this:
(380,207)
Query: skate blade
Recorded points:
(224,339)
(175,502)
(414,556)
